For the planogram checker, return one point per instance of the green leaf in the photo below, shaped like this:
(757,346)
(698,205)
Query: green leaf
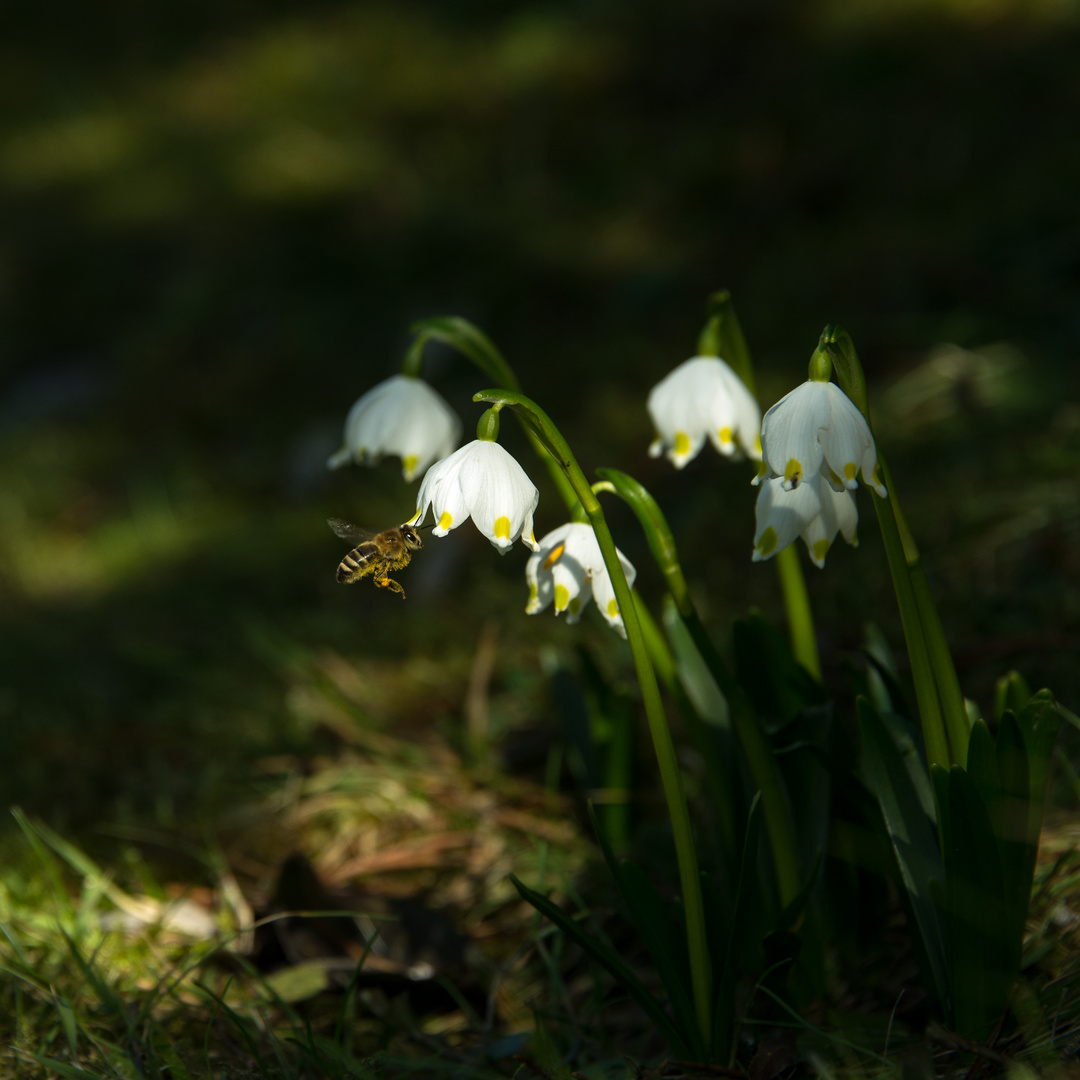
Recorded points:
(604,955)
(1038,724)
(694,674)
(299,982)
(1010,820)
(981,962)
(908,741)
(724,1023)
(62,1068)
(911,835)
(982,765)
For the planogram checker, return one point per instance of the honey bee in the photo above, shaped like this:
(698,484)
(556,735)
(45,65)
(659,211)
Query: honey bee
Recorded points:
(376,553)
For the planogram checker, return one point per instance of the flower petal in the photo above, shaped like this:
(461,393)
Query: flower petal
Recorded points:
(845,438)
(734,416)
(789,433)
(499,494)
(679,408)
(782,514)
(402,416)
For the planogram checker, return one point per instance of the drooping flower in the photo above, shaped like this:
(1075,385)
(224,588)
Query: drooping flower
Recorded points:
(818,427)
(402,416)
(703,398)
(813,510)
(568,570)
(481,480)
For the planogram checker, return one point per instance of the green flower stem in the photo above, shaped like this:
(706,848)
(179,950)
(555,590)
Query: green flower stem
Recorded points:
(922,672)
(800,617)
(937,689)
(475,345)
(723,337)
(670,776)
(948,685)
(759,755)
(717,777)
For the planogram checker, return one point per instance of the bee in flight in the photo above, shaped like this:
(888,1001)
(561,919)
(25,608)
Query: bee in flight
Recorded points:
(376,553)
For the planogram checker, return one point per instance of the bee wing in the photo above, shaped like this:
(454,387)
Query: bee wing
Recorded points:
(352,534)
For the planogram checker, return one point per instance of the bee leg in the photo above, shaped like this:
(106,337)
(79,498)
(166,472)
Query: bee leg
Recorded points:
(391,584)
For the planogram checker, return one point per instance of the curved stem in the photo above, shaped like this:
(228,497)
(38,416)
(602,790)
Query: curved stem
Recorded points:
(759,756)
(670,775)
(475,345)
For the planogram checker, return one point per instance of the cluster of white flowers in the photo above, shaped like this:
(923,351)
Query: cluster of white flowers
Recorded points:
(482,481)
(814,443)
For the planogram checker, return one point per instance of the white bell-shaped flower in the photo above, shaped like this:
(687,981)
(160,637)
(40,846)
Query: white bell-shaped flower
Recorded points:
(569,571)
(402,416)
(818,423)
(703,399)
(813,510)
(484,482)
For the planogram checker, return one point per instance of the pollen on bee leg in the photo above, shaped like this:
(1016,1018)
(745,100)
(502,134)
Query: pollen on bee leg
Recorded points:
(445,520)
(562,597)
(502,527)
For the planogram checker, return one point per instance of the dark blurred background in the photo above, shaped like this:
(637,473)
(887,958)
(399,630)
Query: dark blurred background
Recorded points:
(220,219)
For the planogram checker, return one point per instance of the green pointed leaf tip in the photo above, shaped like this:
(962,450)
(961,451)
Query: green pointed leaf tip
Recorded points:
(1011,692)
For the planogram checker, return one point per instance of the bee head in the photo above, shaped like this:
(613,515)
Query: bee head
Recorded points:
(412,537)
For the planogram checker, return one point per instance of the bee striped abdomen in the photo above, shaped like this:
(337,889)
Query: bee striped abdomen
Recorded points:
(357,563)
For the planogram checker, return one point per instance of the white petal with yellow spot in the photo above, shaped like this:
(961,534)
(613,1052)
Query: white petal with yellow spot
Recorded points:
(402,416)
(813,510)
(703,399)
(568,571)
(815,423)
(484,482)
